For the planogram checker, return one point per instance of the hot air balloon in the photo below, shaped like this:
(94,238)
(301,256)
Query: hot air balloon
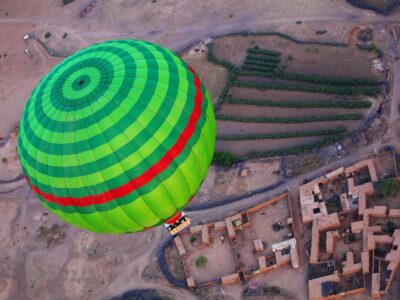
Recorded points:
(118,137)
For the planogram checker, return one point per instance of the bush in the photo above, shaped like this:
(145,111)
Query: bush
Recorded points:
(304,119)
(387,187)
(289,57)
(390,227)
(324,89)
(65,2)
(249,61)
(316,78)
(257,50)
(259,68)
(224,159)
(47,35)
(211,57)
(201,262)
(192,239)
(64,35)
(262,57)
(350,104)
(321,32)
(281,135)
(297,149)
(351,238)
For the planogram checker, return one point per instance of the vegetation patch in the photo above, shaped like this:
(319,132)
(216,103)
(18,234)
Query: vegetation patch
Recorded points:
(201,262)
(281,135)
(304,119)
(224,159)
(387,187)
(324,89)
(350,104)
(297,149)
(47,35)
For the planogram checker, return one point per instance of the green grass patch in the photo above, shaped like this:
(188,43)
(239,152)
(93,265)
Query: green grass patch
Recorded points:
(282,135)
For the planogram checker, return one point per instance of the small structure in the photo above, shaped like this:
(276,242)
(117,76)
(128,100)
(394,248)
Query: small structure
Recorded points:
(229,279)
(180,246)
(258,245)
(205,236)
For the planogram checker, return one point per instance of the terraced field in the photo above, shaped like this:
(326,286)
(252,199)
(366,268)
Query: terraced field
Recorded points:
(274,105)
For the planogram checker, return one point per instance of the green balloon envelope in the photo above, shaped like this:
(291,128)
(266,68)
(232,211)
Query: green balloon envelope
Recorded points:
(118,137)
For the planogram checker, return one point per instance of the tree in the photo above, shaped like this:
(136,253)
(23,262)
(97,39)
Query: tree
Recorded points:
(387,187)
(390,227)
(224,159)
(201,262)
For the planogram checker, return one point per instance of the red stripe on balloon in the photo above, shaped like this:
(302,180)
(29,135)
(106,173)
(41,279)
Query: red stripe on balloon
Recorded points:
(148,175)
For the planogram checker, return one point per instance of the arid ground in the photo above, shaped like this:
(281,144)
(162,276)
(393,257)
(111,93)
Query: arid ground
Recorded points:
(43,258)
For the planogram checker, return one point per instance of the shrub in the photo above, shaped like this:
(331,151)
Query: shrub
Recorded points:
(387,187)
(351,238)
(65,2)
(321,32)
(201,262)
(297,149)
(304,119)
(289,57)
(47,35)
(224,159)
(260,57)
(192,239)
(316,78)
(259,68)
(350,104)
(281,135)
(324,89)
(249,61)
(257,50)
(390,227)
(211,57)
(64,35)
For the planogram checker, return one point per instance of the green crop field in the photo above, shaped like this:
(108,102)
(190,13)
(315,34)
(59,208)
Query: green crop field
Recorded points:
(263,70)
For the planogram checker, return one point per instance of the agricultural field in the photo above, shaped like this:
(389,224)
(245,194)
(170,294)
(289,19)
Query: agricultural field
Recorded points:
(284,97)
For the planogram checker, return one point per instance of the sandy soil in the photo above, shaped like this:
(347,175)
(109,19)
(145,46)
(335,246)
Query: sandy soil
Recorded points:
(220,262)
(70,268)
(242,148)
(19,73)
(42,258)
(10,167)
(220,183)
(213,76)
